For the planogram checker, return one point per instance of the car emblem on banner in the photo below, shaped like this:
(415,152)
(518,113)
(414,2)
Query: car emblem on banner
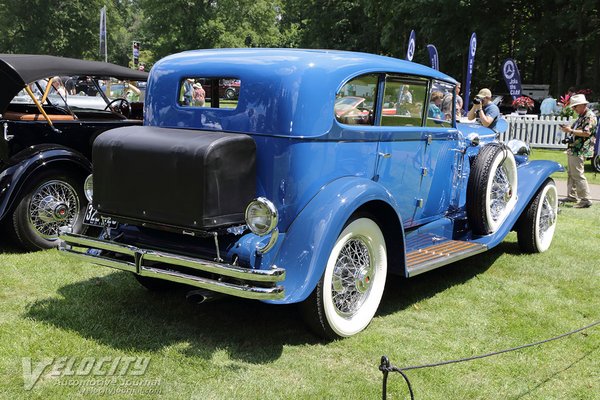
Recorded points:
(473,45)
(512,77)
(509,69)
(411,46)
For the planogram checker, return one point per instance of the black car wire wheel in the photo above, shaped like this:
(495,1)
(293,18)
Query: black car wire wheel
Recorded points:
(53,204)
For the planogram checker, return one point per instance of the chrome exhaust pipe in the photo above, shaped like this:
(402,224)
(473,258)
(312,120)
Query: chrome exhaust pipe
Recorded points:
(199,296)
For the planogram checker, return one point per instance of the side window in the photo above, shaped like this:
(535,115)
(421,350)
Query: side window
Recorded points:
(355,102)
(209,92)
(441,104)
(403,101)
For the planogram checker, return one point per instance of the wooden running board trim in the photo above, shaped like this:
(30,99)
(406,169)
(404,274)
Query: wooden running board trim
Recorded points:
(431,257)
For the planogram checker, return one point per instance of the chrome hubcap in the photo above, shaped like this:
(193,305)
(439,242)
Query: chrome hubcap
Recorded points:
(52,205)
(501,193)
(547,217)
(352,277)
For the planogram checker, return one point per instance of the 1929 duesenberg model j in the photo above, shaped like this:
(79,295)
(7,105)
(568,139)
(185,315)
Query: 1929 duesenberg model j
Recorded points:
(323,177)
(51,109)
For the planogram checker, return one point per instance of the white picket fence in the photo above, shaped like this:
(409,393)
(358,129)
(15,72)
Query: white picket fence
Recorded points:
(537,131)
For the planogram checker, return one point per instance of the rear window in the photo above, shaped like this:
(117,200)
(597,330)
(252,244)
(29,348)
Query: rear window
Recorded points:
(209,92)
(355,102)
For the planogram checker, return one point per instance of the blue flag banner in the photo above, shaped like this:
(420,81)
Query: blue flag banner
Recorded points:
(512,77)
(433,57)
(103,47)
(472,50)
(410,52)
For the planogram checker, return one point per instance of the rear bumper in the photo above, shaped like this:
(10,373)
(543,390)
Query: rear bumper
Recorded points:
(218,277)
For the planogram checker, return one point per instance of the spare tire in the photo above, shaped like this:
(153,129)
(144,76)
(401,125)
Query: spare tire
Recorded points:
(492,188)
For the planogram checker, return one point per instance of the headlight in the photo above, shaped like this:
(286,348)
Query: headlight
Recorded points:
(88,187)
(261,216)
(518,147)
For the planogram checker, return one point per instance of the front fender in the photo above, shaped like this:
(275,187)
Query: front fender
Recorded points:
(531,176)
(311,236)
(26,164)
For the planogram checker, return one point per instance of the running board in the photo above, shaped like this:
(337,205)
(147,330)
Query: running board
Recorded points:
(431,257)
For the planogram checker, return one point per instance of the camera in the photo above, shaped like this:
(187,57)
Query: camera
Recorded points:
(476,100)
(567,140)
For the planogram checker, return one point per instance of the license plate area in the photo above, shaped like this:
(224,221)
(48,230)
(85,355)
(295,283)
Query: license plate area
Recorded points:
(92,218)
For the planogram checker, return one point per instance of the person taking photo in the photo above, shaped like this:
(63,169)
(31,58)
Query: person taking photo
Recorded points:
(580,142)
(484,110)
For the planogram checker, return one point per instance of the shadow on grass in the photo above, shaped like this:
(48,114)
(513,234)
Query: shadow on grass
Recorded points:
(6,248)
(557,373)
(116,311)
(401,293)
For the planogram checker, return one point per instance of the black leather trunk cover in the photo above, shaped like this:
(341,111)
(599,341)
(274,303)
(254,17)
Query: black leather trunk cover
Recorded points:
(176,177)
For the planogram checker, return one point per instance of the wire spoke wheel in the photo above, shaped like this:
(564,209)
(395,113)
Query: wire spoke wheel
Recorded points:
(492,188)
(350,290)
(536,226)
(352,277)
(52,205)
(500,194)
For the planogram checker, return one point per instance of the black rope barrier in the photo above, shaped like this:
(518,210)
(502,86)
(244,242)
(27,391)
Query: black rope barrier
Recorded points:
(386,367)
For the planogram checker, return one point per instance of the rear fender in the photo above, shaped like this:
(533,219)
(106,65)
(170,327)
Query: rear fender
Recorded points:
(23,166)
(312,234)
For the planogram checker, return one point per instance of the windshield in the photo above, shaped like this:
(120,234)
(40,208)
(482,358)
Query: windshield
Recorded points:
(80,92)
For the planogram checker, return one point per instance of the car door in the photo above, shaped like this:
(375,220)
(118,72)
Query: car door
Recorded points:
(402,147)
(418,151)
(441,155)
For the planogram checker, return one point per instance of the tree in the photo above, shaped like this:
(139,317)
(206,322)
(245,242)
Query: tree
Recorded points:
(66,28)
(179,25)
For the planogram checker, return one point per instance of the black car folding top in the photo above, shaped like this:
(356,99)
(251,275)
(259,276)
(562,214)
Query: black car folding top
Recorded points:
(51,110)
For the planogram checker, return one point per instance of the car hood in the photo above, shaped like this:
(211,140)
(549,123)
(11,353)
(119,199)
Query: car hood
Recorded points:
(17,70)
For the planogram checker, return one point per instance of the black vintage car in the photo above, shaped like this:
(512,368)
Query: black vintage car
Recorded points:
(51,110)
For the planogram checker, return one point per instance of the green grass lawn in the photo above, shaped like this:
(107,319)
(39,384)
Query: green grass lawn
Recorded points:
(52,307)
(560,157)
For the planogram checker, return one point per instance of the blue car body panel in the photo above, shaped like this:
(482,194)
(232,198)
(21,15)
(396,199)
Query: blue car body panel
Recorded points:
(284,91)
(317,171)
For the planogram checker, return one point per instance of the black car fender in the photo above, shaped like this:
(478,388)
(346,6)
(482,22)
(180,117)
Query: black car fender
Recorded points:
(17,172)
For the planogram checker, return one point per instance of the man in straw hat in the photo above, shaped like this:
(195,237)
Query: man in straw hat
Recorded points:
(580,147)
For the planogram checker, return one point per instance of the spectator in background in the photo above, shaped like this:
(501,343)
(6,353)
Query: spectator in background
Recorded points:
(199,95)
(549,106)
(58,86)
(405,101)
(69,84)
(486,112)
(188,92)
(582,134)
(435,103)
(459,102)
(447,104)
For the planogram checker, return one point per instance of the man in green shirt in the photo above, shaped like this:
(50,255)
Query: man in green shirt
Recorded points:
(581,146)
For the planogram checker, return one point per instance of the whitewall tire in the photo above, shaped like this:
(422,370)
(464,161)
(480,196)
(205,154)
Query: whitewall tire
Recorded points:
(538,222)
(350,290)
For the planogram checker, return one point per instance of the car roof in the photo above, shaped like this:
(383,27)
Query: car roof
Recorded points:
(287,91)
(17,70)
(334,60)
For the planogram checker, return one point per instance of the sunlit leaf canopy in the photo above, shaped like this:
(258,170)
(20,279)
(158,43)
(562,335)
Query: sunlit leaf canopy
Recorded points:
(554,42)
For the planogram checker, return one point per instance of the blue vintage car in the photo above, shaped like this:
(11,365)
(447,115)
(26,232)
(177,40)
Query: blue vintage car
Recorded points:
(331,170)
